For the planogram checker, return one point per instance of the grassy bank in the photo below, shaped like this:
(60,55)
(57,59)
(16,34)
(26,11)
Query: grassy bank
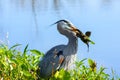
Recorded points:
(18,65)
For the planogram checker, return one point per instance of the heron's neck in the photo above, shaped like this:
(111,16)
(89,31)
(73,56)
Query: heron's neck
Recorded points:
(72,44)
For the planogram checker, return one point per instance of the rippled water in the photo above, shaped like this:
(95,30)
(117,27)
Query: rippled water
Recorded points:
(28,22)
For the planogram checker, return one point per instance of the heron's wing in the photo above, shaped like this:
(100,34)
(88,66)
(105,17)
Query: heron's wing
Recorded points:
(51,61)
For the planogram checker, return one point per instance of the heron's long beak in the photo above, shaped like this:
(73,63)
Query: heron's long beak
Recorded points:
(74,29)
(77,31)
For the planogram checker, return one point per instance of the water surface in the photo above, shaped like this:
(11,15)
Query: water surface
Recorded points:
(28,22)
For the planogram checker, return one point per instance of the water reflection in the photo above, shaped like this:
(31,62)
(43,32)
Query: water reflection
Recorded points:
(106,3)
(57,5)
(22,2)
(35,16)
(44,4)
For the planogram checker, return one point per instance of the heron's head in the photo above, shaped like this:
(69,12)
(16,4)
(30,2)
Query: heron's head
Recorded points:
(66,28)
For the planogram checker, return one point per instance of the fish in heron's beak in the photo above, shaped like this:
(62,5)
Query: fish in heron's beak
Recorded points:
(84,37)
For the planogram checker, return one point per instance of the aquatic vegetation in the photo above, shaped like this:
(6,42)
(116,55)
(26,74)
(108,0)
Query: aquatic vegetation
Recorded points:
(18,65)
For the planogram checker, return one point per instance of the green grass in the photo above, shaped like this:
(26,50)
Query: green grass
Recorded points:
(18,65)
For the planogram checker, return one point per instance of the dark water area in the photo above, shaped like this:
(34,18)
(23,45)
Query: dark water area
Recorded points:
(28,22)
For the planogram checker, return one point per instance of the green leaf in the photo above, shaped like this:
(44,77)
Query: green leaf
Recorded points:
(5,47)
(34,51)
(27,73)
(79,63)
(83,60)
(90,61)
(25,50)
(101,70)
(14,46)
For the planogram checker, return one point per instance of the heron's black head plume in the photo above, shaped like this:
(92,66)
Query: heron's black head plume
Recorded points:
(68,23)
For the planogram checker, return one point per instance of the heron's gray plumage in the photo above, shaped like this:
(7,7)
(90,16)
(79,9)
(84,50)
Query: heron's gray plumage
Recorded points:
(46,65)
(50,61)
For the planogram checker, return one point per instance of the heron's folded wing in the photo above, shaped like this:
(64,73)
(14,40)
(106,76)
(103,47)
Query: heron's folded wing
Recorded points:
(51,63)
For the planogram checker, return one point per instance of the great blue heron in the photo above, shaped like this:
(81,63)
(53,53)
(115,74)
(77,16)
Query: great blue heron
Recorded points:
(62,56)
